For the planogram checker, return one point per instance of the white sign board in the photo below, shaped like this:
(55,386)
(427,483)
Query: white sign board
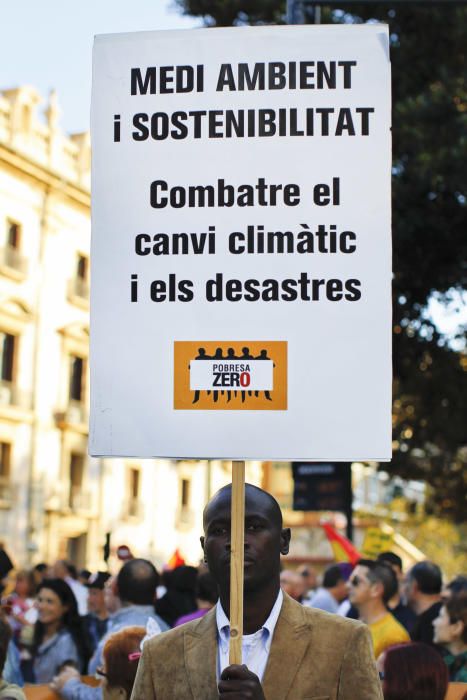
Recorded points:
(241,255)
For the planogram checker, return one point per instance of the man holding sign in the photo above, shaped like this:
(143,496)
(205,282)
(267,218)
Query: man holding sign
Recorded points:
(289,651)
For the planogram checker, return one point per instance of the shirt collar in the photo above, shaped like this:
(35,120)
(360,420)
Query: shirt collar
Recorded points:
(223,625)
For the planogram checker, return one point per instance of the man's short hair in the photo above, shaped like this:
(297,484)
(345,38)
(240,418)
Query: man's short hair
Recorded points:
(380,572)
(274,507)
(332,576)
(137,581)
(427,576)
(5,636)
(390,558)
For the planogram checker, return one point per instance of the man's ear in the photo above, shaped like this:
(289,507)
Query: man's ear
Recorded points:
(201,539)
(285,540)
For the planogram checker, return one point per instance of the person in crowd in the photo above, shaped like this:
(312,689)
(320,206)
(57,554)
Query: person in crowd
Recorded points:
(97,620)
(67,571)
(423,585)
(207,595)
(84,576)
(111,598)
(20,604)
(40,572)
(450,631)
(120,658)
(58,632)
(12,663)
(413,672)
(457,585)
(180,597)
(310,578)
(8,691)
(6,566)
(333,591)
(293,584)
(371,585)
(289,650)
(135,585)
(402,612)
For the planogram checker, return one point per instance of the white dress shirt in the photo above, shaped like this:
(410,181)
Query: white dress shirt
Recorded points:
(255,647)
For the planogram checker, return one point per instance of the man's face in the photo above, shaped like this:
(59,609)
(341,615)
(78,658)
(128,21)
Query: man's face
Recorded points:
(340,591)
(265,541)
(96,601)
(359,587)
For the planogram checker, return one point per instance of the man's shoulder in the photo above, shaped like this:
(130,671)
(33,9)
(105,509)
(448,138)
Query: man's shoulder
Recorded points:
(175,636)
(295,613)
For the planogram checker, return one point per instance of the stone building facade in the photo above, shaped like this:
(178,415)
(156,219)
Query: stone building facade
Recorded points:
(56,501)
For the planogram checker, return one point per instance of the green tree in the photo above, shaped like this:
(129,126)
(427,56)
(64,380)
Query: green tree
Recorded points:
(428,56)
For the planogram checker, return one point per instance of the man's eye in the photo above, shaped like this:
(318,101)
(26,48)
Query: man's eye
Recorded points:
(218,530)
(254,526)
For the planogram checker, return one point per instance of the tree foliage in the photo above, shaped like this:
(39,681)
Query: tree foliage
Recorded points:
(429,68)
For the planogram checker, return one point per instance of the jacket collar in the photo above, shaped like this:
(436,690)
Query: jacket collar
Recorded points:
(288,648)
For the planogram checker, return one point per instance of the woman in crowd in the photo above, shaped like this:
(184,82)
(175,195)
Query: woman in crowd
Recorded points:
(180,598)
(451,633)
(206,597)
(413,672)
(7,689)
(58,632)
(120,656)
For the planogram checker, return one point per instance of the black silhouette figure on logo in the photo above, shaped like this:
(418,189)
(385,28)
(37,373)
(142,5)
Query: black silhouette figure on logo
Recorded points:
(246,356)
(217,356)
(231,356)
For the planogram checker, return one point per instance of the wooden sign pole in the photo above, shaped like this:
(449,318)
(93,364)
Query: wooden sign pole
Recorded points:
(237,539)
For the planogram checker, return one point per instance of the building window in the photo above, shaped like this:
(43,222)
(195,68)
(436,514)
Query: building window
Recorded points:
(82,266)
(134,506)
(5,471)
(76,474)
(79,284)
(8,345)
(12,262)
(13,235)
(185,493)
(77,368)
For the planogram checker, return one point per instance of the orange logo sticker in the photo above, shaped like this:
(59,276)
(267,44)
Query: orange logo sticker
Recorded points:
(228,375)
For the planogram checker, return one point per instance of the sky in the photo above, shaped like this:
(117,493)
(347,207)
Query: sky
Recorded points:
(48,44)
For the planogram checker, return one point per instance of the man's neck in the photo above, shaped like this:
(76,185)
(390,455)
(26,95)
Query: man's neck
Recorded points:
(257,606)
(373,611)
(425,602)
(394,602)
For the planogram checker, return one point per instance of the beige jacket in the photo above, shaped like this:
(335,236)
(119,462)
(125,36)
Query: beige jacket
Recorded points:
(314,656)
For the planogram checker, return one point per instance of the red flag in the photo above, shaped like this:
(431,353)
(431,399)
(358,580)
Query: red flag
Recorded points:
(175,561)
(343,548)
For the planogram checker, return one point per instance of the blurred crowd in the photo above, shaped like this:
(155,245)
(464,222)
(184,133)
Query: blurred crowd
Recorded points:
(60,626)
(417,624)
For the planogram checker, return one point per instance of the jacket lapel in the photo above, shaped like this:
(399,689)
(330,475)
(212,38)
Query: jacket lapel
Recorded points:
(288,648)
(200,644)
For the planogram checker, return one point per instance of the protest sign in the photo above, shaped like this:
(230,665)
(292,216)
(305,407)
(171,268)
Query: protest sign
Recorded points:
(241,264)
